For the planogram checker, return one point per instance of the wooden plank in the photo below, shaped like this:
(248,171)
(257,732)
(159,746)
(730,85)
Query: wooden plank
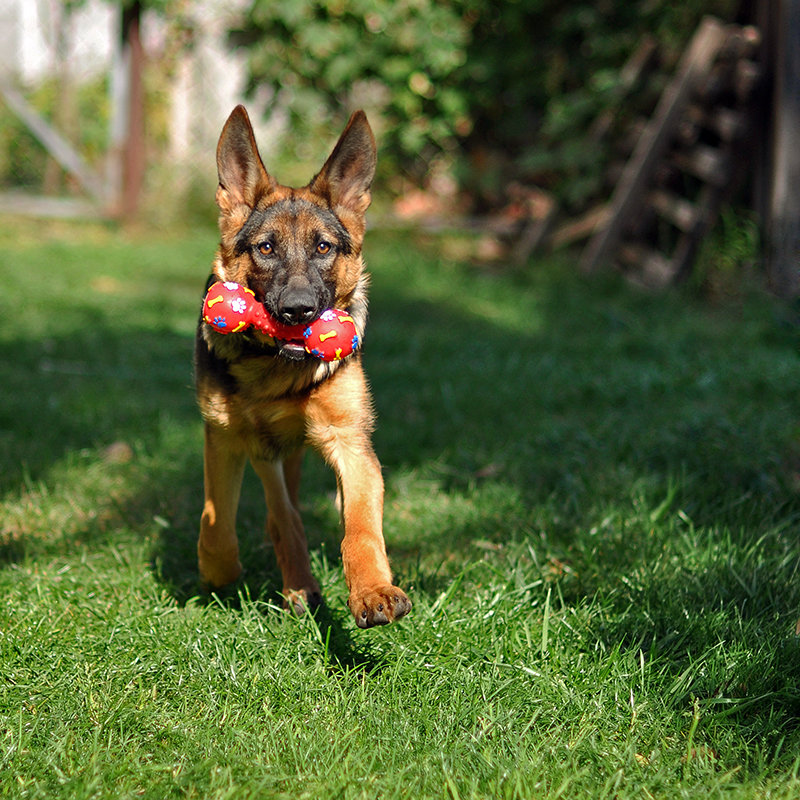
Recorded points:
(747,78)
(581,228)
(709,164)
(677,210)
(743,42)
(628,194)
(55,144)
(652,269)
(729,124)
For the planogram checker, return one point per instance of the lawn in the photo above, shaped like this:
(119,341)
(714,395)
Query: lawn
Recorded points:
(593,498)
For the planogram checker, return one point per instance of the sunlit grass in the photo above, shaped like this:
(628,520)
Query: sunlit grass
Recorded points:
(592,496)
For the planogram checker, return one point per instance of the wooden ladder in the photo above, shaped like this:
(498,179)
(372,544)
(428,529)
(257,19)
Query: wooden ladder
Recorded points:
(687,160)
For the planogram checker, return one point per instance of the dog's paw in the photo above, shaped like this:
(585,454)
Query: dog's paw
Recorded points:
(379,605)
(301,600)
(217,573)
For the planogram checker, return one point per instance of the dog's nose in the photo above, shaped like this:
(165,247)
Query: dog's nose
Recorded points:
(298,307)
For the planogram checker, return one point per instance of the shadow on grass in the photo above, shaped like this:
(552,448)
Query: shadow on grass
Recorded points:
(67,396)
(610,390)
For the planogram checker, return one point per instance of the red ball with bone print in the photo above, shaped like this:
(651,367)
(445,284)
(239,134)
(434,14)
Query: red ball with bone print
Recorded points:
(332,336)
(232,308)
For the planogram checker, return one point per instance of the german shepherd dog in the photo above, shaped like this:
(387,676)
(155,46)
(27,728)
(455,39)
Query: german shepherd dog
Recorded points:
(263,400)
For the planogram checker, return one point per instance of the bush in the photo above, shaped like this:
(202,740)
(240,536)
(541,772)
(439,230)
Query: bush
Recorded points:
(399,59)
(501,90)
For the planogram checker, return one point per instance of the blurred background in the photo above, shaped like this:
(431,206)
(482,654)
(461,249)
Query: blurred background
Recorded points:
(507,116)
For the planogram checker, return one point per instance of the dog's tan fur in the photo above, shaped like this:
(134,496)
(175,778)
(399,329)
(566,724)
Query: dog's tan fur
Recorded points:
(263,407)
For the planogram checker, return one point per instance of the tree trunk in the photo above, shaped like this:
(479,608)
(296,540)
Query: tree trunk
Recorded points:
(134,150)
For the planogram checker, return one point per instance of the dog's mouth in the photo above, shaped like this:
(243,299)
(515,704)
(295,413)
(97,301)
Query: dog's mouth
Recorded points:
(293,350)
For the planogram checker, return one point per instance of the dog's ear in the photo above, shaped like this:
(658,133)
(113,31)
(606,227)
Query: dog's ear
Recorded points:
(347,175)
(242,177)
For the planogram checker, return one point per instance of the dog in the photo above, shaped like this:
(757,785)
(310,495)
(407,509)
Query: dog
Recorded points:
(264,400)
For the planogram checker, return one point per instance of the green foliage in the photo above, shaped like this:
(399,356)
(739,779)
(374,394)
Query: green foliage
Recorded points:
(541,71)
(592,495)
(401,58)
(502,90)
(728,253)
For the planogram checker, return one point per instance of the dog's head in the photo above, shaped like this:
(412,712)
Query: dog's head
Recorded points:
(298,250)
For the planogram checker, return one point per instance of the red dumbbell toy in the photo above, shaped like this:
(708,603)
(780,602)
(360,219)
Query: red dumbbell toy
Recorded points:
(232,308)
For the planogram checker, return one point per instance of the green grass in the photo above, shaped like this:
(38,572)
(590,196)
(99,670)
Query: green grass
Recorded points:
(593,496)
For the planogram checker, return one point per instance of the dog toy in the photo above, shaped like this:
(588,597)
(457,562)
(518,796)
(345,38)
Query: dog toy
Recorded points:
(232,308)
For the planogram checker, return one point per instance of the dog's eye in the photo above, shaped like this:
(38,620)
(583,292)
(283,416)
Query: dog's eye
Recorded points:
(265,248)
(323,248)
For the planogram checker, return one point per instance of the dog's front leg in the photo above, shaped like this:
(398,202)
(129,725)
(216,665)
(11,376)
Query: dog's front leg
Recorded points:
(374,600)
(218,547)
(285,529)
(343,439)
